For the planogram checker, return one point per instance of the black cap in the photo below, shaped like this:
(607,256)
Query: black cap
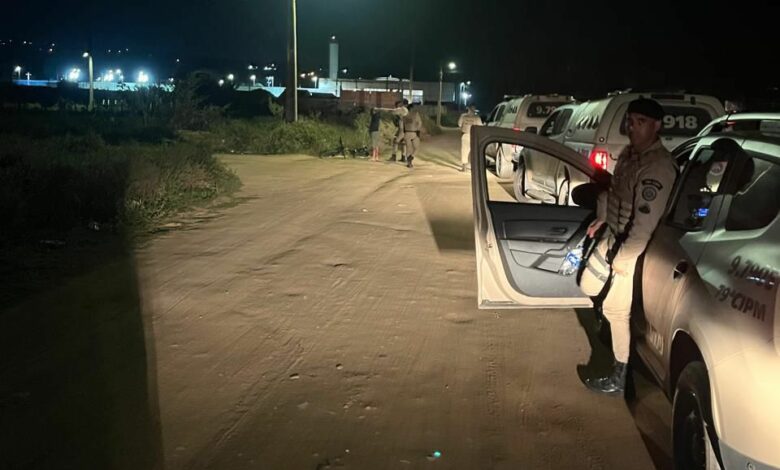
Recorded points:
(647,107)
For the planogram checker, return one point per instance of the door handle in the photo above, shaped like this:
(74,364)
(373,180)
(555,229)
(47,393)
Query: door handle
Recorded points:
(680,269)
(558,230)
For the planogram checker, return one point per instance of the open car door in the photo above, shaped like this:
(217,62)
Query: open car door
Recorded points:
(521,245)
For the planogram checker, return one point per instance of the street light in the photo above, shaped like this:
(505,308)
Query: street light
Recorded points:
(221,82)
(18,72)
(231,77)
(143,77)
(451,66)
(74,74)
(91,106)
(253,78)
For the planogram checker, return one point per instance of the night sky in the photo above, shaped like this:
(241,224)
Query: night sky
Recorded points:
(582,47)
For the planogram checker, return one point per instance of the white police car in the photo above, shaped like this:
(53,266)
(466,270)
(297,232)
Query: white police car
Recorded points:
(706,320)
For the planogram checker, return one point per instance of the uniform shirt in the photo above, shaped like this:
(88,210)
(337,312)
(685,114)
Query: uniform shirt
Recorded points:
(467,120)
(637,197)
(412,122)
(398,117)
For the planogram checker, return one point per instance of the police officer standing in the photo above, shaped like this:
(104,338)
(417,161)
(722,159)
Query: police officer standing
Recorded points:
(399,112)
(412,123)
(631,209)
(466,120)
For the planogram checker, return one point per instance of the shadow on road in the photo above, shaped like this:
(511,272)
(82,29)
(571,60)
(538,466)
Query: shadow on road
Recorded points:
(78,381)
(601,351)
(442,158)
(643,398)
(452,233)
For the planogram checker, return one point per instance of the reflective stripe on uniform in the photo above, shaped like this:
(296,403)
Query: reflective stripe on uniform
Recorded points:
(601,277)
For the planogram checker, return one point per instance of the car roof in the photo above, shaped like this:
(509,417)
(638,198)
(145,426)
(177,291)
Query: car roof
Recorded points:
(768,124)
(666,97)
(748,117)
(770,144)
(568,106)
(510,98)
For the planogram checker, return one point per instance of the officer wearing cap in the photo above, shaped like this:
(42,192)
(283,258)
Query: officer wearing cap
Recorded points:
(631,209)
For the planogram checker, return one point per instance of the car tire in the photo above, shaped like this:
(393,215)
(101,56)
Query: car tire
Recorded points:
(695,443)
(503,170)
(564,191)
(518,181)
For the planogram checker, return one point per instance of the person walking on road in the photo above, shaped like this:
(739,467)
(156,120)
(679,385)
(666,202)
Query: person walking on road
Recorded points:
(412,123)
(399,112)
(374,132)
(631,209)
(466,120)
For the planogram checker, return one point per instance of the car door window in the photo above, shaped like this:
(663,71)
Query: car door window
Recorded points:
(493,114)
(544,179)
(499,113)
(700,183)
(757,199)
(704,177)
(548,128)
(562,121)
(531,234)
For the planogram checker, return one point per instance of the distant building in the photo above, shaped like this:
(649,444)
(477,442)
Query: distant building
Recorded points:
(421,93)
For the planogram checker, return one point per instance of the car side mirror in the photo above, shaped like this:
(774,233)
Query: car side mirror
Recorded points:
(586,195)
(531,129)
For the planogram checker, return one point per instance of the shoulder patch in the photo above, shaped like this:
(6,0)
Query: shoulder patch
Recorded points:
(649,193)
(653,182)
(644,208)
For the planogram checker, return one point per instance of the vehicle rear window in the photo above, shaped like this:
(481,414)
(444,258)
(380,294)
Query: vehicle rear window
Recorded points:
(680,121)
(542,109)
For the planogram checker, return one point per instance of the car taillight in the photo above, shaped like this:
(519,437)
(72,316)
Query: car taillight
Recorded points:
(516,129)
(598,158)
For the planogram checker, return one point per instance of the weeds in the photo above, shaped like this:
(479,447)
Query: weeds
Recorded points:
(55,184)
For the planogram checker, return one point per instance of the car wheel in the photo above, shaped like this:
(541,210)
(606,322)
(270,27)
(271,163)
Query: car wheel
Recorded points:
(694,439)
(503,170)
(518,181)
(562,199)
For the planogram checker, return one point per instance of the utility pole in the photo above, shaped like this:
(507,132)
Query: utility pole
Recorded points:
(438,106)
(291,97)
(411,78)
(91,106)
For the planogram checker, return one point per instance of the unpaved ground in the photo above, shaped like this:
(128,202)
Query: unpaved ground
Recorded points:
(329,320)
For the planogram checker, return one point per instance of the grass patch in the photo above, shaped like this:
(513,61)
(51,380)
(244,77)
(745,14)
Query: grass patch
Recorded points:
(271,136)
(49,186)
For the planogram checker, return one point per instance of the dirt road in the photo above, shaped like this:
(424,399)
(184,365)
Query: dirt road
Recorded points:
(329,320)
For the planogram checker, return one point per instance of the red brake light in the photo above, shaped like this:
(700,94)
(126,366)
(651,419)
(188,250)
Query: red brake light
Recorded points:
(516,129)
(598,158)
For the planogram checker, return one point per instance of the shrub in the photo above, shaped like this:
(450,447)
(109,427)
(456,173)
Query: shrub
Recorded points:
(273,136)
(55,184)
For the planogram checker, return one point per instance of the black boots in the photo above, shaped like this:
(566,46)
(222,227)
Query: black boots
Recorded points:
(613,384)
(391,159)
(403,159)
(409,161)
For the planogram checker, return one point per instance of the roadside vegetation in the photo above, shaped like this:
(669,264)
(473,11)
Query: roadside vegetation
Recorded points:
(130,166)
